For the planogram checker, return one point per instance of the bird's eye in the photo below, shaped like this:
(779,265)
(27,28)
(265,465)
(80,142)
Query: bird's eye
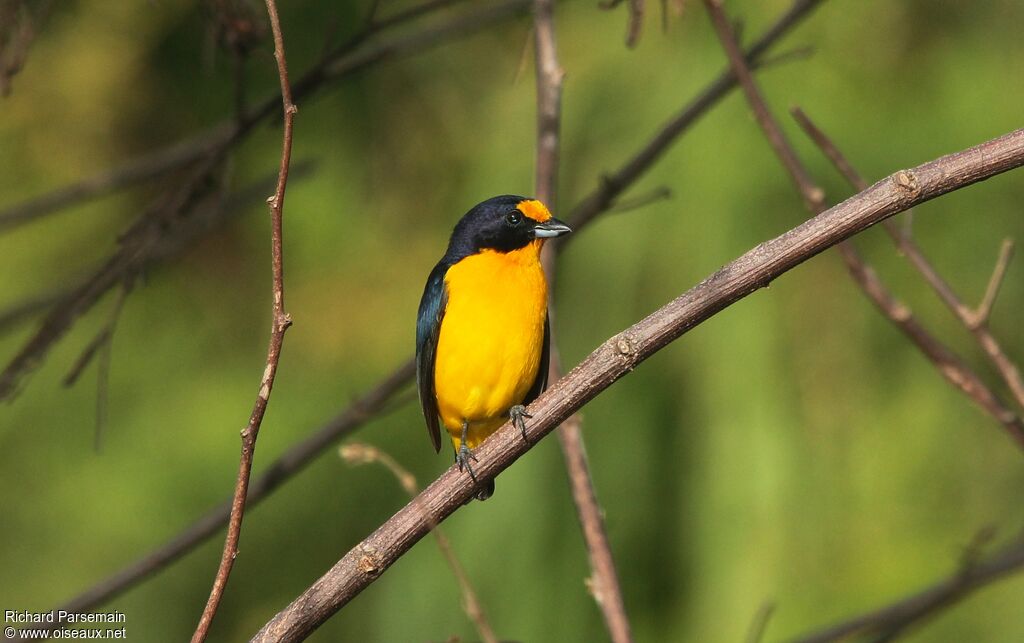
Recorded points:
(514,218)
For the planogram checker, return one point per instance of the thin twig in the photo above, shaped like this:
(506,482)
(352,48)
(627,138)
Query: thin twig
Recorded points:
(949,365)
(101,347)
(100,339)
(166,217)
(622,353)
(549,100)
(976,321)
(605,582)
(357,453)
(980,315)
(281,322)
(899,616)
(15,43)
(813,195)
(296,459)
(636,19)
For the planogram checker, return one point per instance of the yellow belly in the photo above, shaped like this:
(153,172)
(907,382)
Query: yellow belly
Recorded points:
(491,338)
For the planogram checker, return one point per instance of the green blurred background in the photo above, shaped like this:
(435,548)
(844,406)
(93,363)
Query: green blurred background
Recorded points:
(794,449)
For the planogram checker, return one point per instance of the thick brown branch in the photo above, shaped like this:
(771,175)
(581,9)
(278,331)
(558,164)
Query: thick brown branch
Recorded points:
(902,614)
(975,321)
(949,365)
(280,324)
(623,352)
(375,402)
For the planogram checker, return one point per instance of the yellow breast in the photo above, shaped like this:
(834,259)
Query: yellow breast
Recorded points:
(491,338)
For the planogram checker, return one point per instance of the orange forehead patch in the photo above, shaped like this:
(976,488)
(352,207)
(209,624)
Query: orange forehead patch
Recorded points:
(534,210)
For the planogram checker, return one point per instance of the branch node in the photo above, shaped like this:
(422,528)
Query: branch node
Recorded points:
(906,181)
(283,321)
(626,347)
(368,563)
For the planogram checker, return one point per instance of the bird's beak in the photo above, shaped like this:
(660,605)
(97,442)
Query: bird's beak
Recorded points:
(550,228)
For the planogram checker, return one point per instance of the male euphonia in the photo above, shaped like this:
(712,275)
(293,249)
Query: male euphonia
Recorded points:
(482,330)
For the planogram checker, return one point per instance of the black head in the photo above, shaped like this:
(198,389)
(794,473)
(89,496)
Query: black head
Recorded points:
(503,223)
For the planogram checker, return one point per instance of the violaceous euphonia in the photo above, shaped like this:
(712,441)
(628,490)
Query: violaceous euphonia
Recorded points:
(482,338)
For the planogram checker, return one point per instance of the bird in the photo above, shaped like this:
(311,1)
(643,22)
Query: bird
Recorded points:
(482,331)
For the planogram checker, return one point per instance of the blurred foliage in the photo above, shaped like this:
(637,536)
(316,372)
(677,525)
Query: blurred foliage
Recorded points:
(795,448)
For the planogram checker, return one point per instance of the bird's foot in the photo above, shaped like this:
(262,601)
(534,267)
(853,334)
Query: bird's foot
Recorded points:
(518,416)
(463,457)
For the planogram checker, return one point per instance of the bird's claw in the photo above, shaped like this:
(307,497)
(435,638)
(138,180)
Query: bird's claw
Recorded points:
(463,457)
(518,416)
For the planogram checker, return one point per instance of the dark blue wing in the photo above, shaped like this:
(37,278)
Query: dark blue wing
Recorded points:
(541,382)
(428,327)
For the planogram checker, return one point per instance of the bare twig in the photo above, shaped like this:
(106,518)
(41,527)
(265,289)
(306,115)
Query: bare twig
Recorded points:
(18,28)
(897,617)
(636,19)
(281,322)
(102,338)
(100,346)
(376,401)
(623,352)
(356,453)
(138,246)
(811,193)
(976,321)
(980,315)
(949,365)
(605,582)
(549,100)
